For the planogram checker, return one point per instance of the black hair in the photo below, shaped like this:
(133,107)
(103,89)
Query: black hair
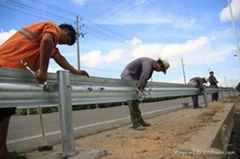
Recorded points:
(211,72)
(72,31)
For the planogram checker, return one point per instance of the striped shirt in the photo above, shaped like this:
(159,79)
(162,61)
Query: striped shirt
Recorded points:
(25,45)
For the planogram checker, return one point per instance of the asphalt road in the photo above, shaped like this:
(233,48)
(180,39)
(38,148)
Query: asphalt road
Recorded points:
(25,133)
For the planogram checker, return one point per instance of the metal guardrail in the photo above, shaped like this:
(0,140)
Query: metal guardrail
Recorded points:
(20,89)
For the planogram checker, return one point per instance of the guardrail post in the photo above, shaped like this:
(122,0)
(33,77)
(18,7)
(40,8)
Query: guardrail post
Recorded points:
(229,95)
(28,111)
(234,92)
(65,112)
(205,97)
(221,92)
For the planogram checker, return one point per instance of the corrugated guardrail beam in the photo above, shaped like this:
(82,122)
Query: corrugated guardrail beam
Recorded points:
(20,89)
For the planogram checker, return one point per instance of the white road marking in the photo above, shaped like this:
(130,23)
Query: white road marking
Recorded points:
(87,126)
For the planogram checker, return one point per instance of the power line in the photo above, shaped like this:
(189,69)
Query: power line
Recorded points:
(107,32)
(27,13)
(125,7)
(21,5)
(56,8)
(21,11)
(108,9)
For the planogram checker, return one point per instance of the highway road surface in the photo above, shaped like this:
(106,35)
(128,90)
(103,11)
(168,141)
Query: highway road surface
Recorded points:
(25,133)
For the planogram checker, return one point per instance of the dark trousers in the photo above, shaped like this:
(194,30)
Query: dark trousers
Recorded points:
(135,113)
(214,96)
(5,112)
(195,101)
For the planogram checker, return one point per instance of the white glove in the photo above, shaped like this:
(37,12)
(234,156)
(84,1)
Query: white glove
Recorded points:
(140,95)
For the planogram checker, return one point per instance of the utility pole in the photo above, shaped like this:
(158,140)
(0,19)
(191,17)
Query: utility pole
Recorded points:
(225,80)
(234,28)
(184,76)
(78,49)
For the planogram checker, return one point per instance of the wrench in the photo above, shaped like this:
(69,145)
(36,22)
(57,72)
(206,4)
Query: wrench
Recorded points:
(45,84)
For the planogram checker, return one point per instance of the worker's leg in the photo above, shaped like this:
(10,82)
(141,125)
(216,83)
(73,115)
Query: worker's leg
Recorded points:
(135,113)
(195,101)
(216,96)
(5,114)
(139,114)
(3,136)
(213,96)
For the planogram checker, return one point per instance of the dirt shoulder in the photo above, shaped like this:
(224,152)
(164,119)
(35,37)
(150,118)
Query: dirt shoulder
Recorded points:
(159,141)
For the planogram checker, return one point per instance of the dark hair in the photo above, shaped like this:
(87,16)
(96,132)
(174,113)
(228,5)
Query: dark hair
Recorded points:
(72,31)
(211,72)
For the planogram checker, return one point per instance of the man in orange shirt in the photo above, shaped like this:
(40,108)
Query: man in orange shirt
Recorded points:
(35,44)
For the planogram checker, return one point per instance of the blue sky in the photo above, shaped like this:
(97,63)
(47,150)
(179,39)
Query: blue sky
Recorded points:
(119,31)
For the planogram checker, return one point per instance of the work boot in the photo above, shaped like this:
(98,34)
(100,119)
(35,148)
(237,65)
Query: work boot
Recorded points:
(145,124)
(197,107)
(140,127)
(14,155)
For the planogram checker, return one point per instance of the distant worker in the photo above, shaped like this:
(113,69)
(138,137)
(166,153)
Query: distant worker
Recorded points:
(213,83)
(35,44)
(141,69)
(198,82)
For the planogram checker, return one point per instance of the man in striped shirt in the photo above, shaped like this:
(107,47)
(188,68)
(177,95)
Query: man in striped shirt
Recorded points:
(34,44)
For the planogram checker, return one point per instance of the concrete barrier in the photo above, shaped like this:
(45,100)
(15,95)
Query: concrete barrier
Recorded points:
(212,140)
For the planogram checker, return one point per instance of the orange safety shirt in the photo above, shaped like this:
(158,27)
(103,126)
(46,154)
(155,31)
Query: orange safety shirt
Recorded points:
(25,45)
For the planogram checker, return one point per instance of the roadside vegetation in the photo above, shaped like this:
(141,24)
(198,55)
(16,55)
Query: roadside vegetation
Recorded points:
(29,111)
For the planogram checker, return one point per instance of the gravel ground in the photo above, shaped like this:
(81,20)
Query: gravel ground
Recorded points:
(159,141)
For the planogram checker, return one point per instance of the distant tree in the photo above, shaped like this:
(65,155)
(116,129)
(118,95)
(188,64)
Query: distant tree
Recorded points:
(238,87)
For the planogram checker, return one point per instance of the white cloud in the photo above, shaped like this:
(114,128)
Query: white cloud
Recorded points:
(82,2)
(95,57)
(140,2)
(6,35)
(208,55)
(225,13)
(147,17)
(196,52)
(169,51)
(229,82)
(135,41)
(115,55)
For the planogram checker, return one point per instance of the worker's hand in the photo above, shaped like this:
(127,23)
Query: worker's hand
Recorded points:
(83,73)
(201,90)
(140,94)
(41,76)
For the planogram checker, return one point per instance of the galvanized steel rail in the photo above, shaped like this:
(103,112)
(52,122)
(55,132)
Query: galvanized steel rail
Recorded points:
(20,89)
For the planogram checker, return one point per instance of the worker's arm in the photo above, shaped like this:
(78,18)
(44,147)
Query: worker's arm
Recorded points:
(147,71)
(46,47)
(61,61)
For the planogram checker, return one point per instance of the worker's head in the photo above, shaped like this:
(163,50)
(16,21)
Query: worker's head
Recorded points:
(161,65)
(67,34)
(211,73)
(205,79)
